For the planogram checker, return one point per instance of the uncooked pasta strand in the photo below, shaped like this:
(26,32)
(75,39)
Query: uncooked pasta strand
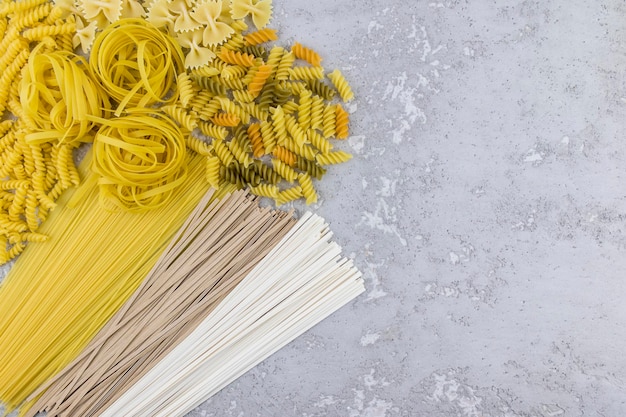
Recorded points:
(60,293)
(212,252)
(286,293)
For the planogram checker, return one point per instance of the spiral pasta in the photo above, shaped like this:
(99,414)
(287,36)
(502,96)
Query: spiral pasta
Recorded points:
(295,130)
(185,119)
(198,146)
(340,83)
(265,190)
(236,58)
(305,107)
(317,113)
(226,119)
(240,152)
(267,133)
(285,155)
(329,121)
(319,142)
(307,188)
(284,170)
(321,89)
(331,158)
(265,172)
(223,152)
(186,90)
(261,36)
(247,106)
(232,74)
(212,131)
(40,32)
(254,133)
(230,107)
(311,167)
(306,73)
(341,122)
(284,66)
(306,54)
(290,194)
(258,81)
(213,165)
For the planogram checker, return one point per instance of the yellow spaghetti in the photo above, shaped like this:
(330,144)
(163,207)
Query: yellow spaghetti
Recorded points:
(60,293)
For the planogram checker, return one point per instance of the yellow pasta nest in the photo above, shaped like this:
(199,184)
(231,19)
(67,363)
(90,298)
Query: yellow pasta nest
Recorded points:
(58,94)
(141,160)
(136,63)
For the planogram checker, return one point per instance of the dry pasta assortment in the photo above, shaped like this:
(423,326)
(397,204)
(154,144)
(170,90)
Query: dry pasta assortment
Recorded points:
(143,266)
(261,115)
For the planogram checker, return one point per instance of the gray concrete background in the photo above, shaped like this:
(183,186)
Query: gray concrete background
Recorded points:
(485,207)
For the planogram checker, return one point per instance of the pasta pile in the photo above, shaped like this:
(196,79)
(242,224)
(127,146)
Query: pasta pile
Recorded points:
(59,294)
(203,317)
(261,115)
(158,282)
(140,159)
(192,277)
(287,293)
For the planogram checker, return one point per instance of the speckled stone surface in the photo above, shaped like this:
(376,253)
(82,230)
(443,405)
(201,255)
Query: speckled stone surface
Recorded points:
(485,206)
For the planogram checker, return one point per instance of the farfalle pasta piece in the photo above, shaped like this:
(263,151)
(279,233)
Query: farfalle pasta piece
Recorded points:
(160,15)
(215,30)
(198,56)
(85,35)
(110,9)
(259,10)
(183,22)
(132,9)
